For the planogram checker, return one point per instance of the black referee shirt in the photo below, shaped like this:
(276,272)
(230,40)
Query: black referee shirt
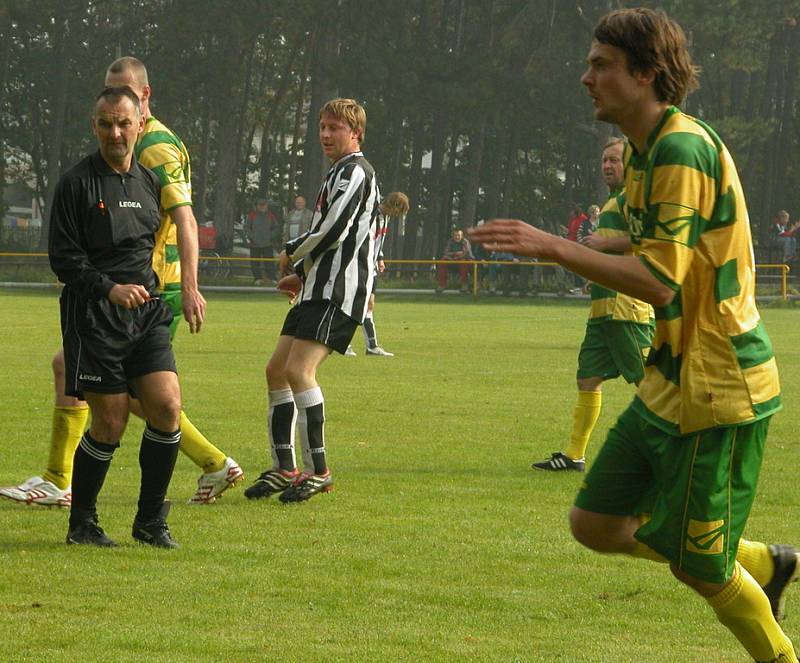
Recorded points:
(103,226)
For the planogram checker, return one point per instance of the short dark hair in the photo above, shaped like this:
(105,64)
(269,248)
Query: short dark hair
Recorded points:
(130,64)
(653,42)
(114,94)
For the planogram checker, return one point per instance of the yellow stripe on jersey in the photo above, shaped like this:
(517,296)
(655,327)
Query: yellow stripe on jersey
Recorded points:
(609,304)
(712,362)
(160,150)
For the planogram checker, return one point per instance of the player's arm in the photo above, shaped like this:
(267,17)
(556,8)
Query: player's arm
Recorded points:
(625,274)
(344,200)
(598,242)
(194,304)
(68,258)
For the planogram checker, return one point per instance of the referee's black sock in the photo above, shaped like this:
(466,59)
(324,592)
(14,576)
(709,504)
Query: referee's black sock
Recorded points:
(280,426)
(311,423)
(370,334)
(89,468)
(157,460)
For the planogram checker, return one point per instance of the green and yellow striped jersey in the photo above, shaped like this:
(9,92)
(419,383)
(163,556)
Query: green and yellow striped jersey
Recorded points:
(162,151)
(712,362)
(609,304)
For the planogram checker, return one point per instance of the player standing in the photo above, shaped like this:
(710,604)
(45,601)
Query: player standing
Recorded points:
(175,264)
(115,330)
(333,267)
(619,330)
(687,452)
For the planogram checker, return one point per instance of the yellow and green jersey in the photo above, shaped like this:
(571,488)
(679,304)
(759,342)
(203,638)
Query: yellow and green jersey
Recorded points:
(609,304)
(160,150)
(712,362)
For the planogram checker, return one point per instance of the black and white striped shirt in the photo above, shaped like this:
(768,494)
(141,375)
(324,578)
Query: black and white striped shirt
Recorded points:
(335,258)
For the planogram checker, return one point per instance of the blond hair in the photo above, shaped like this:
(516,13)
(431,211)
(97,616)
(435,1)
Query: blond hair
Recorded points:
(348,111)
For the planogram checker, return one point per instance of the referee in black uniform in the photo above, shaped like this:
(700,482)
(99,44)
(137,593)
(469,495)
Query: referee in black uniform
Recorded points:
(115,330)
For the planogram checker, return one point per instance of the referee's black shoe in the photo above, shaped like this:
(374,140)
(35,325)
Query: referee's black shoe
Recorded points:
(88,532)
(155,532)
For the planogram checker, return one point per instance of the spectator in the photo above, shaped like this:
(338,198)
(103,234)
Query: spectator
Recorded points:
(785,235)
(261,226)
(457,248)
(297,221)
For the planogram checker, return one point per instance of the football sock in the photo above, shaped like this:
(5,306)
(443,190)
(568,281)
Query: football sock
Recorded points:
(157,456)
(90,466)
(68,426)
(197,447)
(755,557)
(311,423)
(370,335)
(744,609)
(281,418)
(584,417)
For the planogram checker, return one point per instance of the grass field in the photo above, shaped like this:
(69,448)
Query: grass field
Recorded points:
(438,544)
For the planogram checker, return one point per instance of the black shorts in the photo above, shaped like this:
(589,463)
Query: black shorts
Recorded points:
(107,346)
(320,321)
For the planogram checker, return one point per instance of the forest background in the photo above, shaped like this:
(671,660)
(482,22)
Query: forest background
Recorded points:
(474,106)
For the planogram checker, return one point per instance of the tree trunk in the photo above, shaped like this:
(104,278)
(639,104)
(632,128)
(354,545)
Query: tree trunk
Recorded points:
(298,119)
(231,52)
(277,102)
(57,117)
(321,91)
(469,203)
(200,163)
(435,197)
(414,186)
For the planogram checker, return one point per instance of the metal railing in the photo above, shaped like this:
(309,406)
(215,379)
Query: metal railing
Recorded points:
(209,259)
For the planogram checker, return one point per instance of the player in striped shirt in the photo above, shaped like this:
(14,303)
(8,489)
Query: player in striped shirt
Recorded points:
(332,269)
(619,329)
(395,205)
(676,477)
(162,151)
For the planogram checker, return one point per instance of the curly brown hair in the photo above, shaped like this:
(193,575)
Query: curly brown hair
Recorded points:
(395,204)
(653,42)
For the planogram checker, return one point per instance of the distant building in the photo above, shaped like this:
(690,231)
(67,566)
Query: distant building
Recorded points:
(23,210)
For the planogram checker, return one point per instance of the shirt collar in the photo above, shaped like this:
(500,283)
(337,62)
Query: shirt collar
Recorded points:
(102,167)
(359,153)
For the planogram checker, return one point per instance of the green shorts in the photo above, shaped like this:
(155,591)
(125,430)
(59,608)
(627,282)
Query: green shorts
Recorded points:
(698,489)
(615,348)
(173,299)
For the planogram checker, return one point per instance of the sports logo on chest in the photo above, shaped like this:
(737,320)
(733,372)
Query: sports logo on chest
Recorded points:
(130,203)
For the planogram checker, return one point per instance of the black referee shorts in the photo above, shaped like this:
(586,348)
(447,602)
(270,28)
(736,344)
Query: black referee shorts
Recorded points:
(107,346)
(320,321)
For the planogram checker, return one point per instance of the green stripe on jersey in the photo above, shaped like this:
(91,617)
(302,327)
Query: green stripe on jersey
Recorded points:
(753,347)
(156,137)
(671,311)
(726,284)
(725,213)
(665,363)
(685,149)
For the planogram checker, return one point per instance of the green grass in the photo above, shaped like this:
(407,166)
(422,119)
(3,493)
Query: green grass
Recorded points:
(438,544)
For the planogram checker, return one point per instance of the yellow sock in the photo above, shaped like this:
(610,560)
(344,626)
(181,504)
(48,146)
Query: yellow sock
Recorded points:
(68,426)
(584,417)
(744,609)
(195,445)
(755,557)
